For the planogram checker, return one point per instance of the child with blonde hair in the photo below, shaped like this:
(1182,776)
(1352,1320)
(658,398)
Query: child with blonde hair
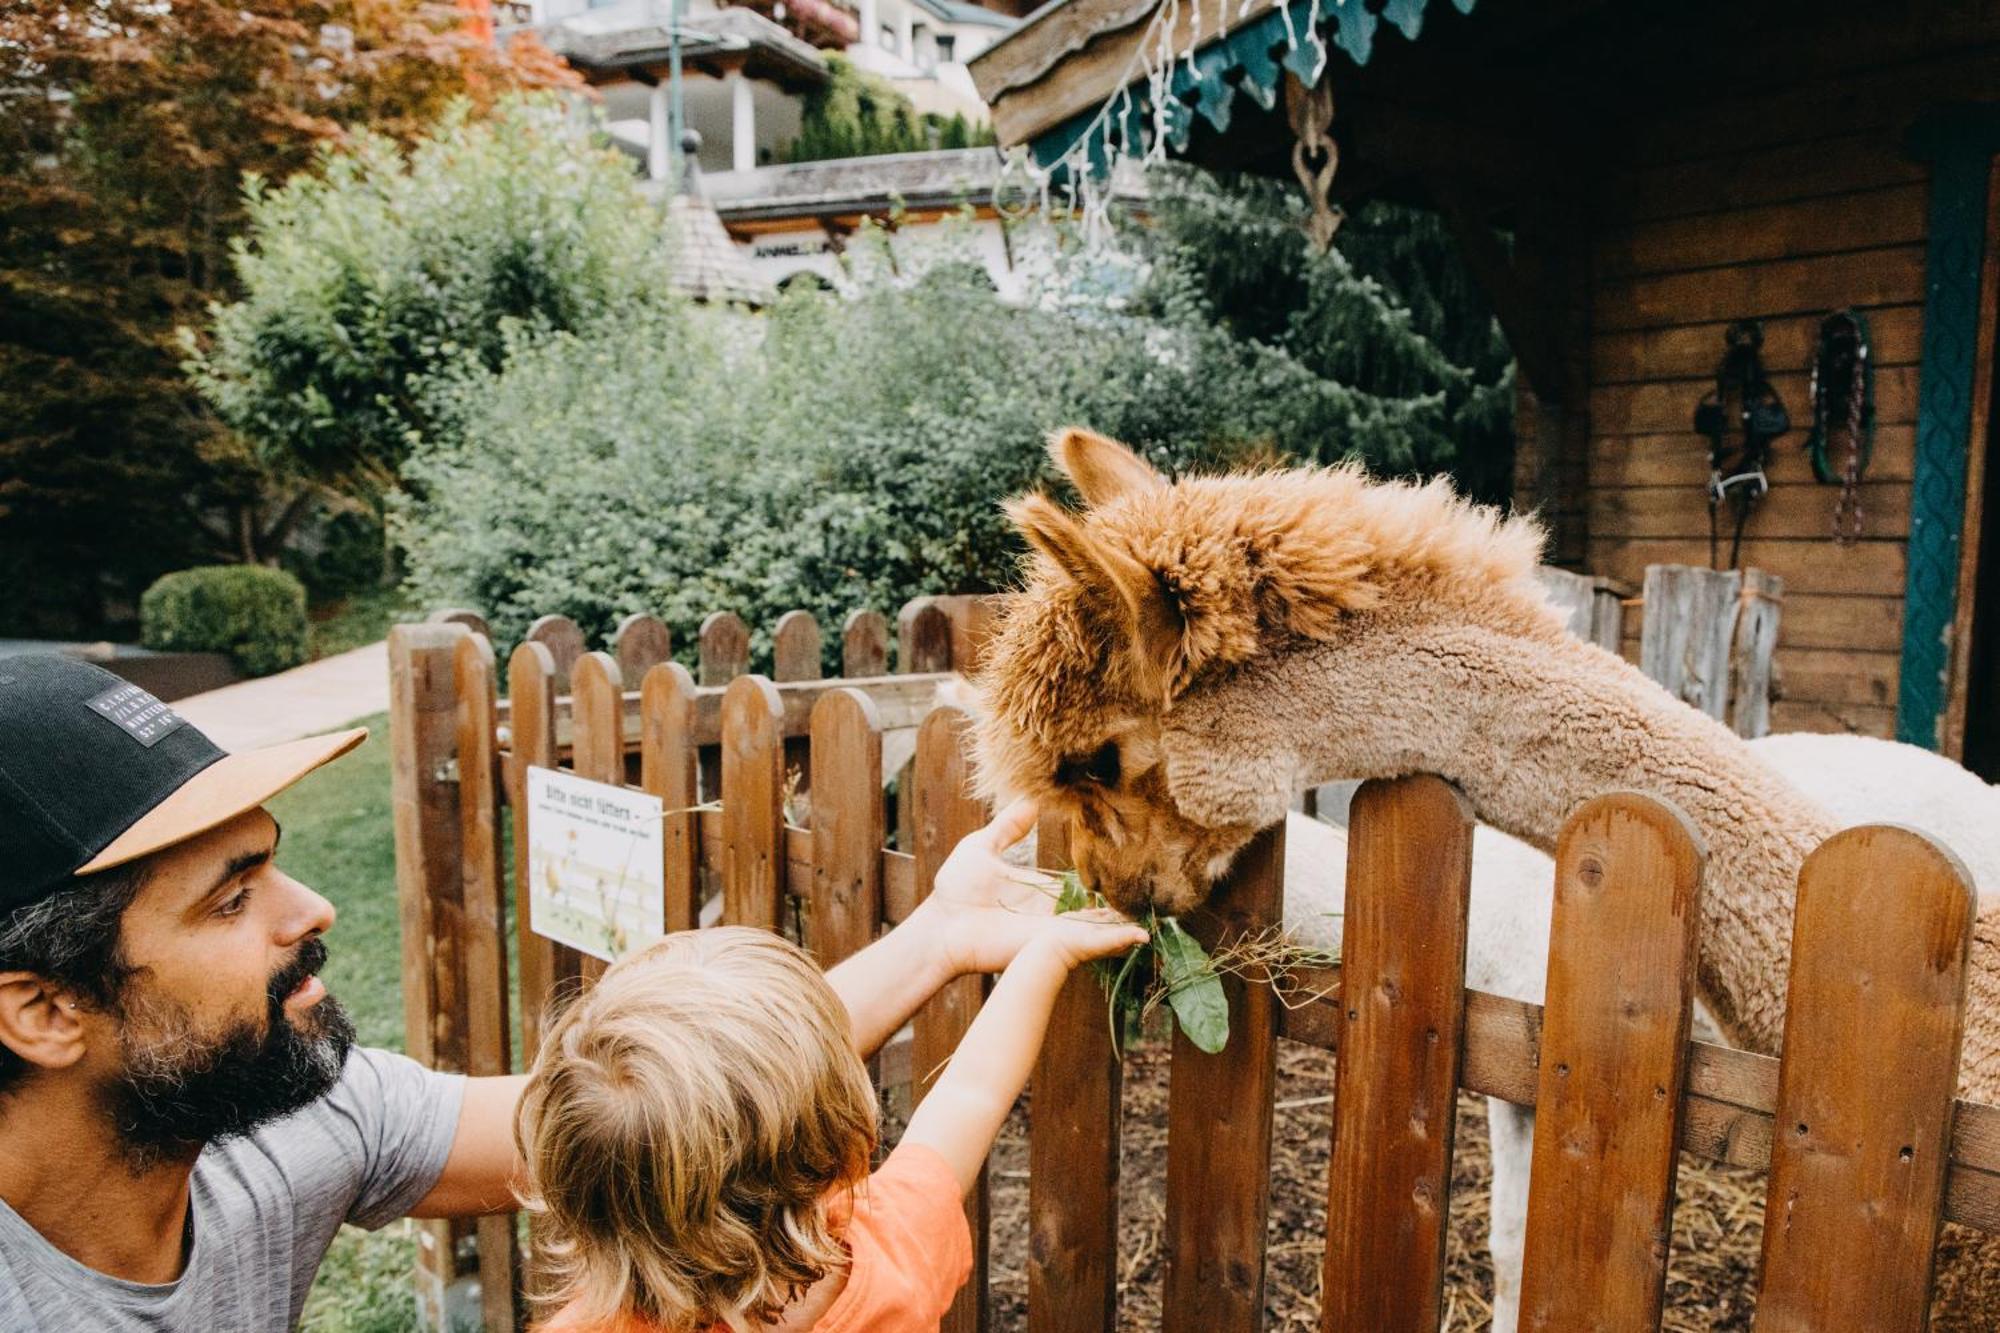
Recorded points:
(699,1126)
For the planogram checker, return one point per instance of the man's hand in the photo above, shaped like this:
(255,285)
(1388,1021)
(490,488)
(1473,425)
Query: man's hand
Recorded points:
(982,910)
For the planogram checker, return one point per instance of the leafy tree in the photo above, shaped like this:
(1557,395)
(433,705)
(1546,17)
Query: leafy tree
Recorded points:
(367,281)
(126,127)
(1390,312)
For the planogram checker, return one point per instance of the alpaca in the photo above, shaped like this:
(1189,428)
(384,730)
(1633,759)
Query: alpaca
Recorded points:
(1184,657)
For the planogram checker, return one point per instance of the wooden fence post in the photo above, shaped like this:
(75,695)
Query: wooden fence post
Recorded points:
(430,890)
(1073,1151)
(531,690)
(796,647)
(597,751)
(1219,1111)
(640,643)
(1609,1105)
(564,642)
(923,643)
(1689,625)
(1402,986)
(724,648)
(1750,664)
(753,804)
(1873,1027)
(945,810)
(847,825)
(487,1027)
(668,769)
(864,645)
(458,615)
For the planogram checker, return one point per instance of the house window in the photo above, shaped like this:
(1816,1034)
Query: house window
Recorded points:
(946,48)
(888,38)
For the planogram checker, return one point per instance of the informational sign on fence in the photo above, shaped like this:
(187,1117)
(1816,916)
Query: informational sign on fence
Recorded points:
(595,878)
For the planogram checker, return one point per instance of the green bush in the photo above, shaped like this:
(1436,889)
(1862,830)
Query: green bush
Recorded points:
(830,454)
(368,280)
(343,555)
(256,615)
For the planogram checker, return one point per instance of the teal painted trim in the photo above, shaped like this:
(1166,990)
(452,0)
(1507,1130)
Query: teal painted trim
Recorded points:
(1251,59)
(1959,145)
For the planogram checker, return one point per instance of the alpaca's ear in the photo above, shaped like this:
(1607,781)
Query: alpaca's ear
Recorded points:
(1059,535)
(1101,469)
(1154,627)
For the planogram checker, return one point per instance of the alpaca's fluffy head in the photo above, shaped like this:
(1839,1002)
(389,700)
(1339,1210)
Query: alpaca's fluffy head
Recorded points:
(1159,590)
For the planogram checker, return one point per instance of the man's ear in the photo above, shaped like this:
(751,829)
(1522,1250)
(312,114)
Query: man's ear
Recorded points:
(1100,468)
(1151,622)
(38,1022)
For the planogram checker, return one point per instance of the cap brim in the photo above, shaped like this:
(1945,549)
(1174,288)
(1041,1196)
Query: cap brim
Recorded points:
(225,789)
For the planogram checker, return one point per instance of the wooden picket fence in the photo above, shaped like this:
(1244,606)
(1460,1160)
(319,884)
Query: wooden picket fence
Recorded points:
(1865,1146)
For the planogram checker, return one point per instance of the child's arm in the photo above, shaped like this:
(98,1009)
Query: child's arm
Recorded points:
(963,1113)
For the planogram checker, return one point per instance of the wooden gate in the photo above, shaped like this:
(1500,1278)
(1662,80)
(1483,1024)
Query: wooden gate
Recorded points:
(1865,1166)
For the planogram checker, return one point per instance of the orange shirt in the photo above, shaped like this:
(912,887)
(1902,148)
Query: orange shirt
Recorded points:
(910,1251)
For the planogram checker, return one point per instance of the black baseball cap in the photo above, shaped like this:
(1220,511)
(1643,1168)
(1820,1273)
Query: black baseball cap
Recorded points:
(95,772)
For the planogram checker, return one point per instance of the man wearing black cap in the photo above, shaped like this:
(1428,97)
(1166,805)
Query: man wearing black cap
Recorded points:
(183,1125)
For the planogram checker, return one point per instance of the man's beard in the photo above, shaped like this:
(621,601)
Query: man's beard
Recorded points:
(181,1088)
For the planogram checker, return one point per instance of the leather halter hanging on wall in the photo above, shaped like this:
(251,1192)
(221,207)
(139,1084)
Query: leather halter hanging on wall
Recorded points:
(1741,416)
(1843,415)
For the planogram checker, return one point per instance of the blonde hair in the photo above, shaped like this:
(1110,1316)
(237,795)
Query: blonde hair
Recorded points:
(684,1125)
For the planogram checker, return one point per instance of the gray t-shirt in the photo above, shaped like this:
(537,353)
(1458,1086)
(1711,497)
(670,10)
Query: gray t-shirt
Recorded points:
(266,1207)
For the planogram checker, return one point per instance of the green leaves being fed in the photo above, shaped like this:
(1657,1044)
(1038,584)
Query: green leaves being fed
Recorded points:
(1172,967)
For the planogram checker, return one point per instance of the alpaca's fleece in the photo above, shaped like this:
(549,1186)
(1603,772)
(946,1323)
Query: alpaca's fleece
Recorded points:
(1160,588)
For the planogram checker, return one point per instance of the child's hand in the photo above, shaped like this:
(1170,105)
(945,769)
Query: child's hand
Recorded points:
(1074,938)
(982,909)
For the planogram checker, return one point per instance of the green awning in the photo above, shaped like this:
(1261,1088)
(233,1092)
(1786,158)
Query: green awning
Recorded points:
(1251,59)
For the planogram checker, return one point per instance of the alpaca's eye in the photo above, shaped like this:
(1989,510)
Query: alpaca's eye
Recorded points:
(1100,768)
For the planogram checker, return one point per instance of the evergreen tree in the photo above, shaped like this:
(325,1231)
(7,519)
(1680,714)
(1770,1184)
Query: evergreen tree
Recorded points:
(1389,312)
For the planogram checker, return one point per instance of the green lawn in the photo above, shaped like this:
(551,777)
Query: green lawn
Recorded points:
(338,839)
(356,621)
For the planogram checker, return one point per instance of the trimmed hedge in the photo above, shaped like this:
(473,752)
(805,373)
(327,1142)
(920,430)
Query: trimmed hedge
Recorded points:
(256,615)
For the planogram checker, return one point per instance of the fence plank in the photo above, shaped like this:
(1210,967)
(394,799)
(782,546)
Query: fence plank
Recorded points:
(1864,1116)
(1073,1131)
(640,643)
(1614,1066)
(847,825)
(667,769)
(923,644)
(565,644)
(1750,659)
(531,690)
(1575,595)
(923,638)
(1219,1122)
(724,651)
(597,705)
(945,811)
(795,647)
(430,889)
(864,645)
(487,1027)
(1685,635)
(753,794)
(1409,871)
(459,615)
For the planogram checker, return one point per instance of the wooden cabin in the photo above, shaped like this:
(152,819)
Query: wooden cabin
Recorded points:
(1627,180)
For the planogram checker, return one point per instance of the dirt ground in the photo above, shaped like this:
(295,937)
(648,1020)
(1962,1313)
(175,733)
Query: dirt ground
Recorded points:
(1717,1222)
